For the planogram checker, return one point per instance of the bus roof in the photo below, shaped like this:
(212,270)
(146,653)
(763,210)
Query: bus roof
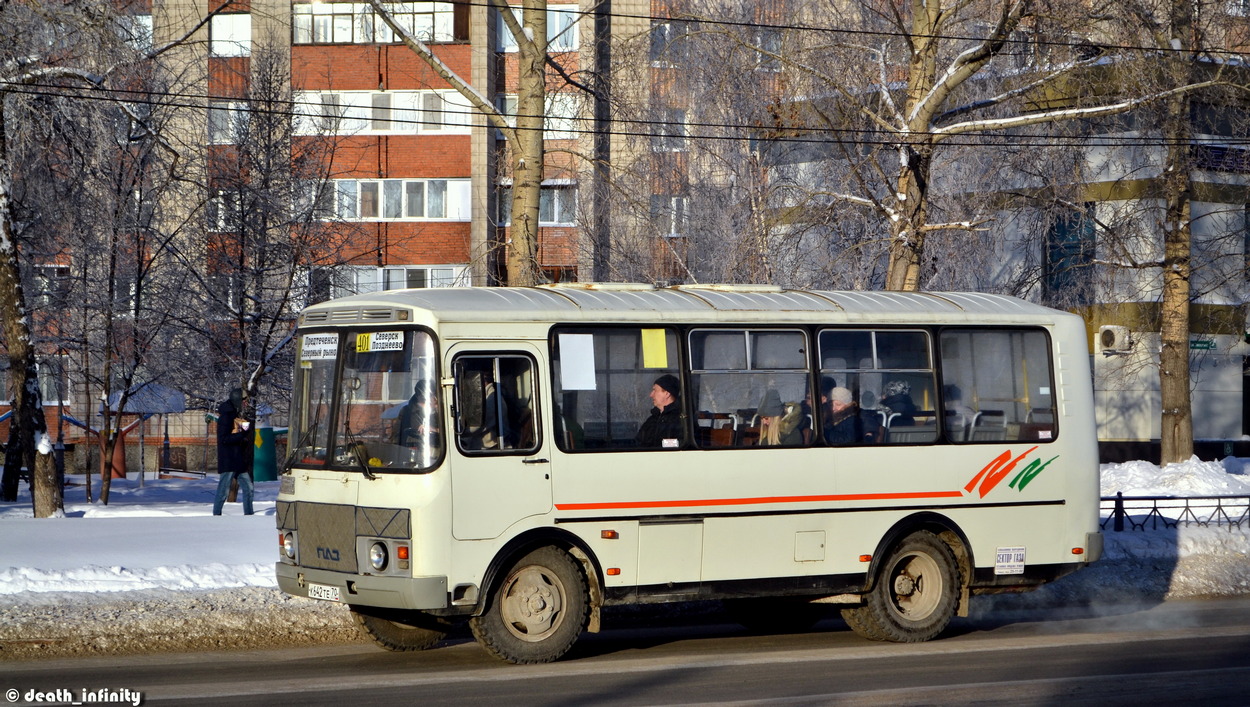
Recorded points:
(619,302)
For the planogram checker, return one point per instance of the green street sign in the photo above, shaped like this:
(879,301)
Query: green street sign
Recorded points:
(1201,344)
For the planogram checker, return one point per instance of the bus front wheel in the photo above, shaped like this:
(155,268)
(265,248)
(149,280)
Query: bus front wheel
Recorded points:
(915,596)
(400,631)
(538,611)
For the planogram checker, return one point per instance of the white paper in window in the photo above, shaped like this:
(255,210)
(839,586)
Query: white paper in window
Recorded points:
(577,362)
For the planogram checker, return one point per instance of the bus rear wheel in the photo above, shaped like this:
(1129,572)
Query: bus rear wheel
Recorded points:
(400,630)
(538,611)
(915,596)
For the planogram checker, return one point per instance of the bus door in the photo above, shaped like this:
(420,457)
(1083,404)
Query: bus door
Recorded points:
(500,473)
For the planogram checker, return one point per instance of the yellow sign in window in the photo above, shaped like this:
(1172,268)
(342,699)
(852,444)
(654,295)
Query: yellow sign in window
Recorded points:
(654,349)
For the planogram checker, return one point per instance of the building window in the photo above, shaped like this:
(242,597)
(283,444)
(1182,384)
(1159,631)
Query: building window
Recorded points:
(227,122)
(356,23)
(223,212)
(313,199)
(561,29)
(557,205)
(231,35)
(136,30)
(383,112)
(559,114)
(669,214)
(54,386)
(403,199)
(1069,256)
(330,283)
(669,43)
(51,284)
(671,131)
(768,46)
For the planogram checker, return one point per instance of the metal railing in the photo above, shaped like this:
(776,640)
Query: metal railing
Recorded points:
(1169,511)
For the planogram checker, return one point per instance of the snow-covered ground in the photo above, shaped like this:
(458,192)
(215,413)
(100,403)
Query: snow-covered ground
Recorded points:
(157,562)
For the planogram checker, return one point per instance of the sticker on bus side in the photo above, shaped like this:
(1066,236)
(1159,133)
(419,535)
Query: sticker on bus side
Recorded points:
(1009,560)
(380,341)
(319,347)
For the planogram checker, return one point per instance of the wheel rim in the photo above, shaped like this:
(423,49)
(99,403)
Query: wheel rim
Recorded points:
(916,586)
(532,603)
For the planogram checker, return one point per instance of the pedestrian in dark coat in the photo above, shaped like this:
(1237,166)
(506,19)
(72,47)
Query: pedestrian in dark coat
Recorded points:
(234,452)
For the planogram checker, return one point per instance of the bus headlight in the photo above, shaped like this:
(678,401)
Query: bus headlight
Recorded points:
(288,545)
(378,556)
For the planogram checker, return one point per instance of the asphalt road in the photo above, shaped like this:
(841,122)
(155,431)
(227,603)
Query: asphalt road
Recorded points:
(1181,652)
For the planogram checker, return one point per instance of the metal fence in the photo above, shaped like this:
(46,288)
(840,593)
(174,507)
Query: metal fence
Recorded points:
(1142,512)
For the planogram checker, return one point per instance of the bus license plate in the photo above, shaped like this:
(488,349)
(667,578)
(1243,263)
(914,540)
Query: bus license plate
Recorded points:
(323,592)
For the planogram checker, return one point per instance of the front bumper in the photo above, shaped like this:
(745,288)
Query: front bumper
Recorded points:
(423,593)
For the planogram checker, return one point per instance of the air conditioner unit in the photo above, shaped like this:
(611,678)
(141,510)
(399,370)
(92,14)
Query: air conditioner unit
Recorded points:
(1112,338)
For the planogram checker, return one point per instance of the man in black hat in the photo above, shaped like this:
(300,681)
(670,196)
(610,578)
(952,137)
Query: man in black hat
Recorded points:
(664,428)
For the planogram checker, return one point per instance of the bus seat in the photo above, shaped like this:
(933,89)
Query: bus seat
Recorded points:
(911,434)
(988,434)
(721,437)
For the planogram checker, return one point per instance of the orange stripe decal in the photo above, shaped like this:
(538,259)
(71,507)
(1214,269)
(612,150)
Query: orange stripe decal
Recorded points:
(623,505)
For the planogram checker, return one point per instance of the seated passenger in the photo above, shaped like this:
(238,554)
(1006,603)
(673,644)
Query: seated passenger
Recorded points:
(779,423)
(664,427)
(843,423)
(896,396)
(419,418)
(958,415)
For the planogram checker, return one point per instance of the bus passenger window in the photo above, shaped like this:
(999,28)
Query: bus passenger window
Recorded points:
(604,381)
(889,377)
(996,386)
(750,387)
(495,404)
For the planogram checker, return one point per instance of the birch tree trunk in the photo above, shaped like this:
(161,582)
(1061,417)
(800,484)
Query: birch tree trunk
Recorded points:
(527,149)
(525,137)
(27,424)
(1177,425)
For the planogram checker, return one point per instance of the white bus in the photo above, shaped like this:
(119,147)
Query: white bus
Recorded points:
(497,454)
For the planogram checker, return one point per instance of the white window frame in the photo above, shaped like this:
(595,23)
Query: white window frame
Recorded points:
(50,280)
(230,35)
(671,213)
(441,199)
(668,44)
(562,29)
(443,112)
(767,39)
(46,375)
(671,131)
(226,121)
(560,113)
(360,279)
(136,30)
(356,23)
(564,211)
(222,211)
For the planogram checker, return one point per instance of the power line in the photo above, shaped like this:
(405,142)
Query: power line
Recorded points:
(666,129)
(753,25)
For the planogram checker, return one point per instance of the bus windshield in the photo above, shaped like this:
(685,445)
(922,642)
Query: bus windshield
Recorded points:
(366,401)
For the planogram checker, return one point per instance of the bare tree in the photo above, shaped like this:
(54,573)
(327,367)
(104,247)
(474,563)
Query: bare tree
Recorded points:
(525,138)
(267,232)
(58,50)
(916,83)
(692,197)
